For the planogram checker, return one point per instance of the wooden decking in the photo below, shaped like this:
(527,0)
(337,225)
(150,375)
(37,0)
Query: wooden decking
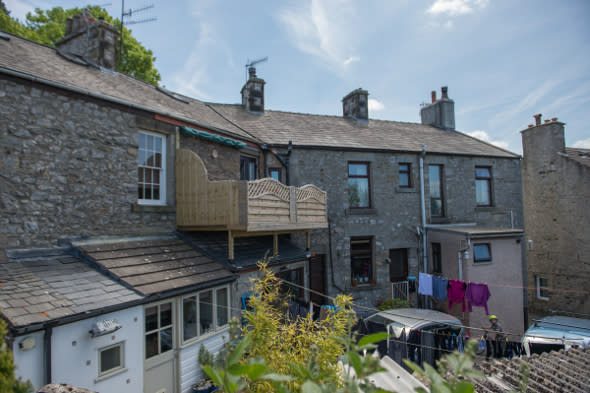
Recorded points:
(245,208)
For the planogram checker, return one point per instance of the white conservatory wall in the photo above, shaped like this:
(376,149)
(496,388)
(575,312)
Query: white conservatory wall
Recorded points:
(75,353)
(190,371)
(29,363)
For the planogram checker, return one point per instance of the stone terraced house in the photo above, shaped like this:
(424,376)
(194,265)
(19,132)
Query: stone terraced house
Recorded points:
(133,217)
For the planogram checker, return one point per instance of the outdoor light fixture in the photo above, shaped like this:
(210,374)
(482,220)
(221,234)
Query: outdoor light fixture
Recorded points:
(106,326)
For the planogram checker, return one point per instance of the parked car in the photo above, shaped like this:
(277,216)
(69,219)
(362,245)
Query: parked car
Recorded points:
(420,335)
(556,332)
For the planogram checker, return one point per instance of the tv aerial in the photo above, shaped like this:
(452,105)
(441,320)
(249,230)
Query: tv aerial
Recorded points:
(129,14)
(250,65)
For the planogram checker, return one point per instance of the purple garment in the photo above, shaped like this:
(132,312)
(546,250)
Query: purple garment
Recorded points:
(477,295)
(456,293)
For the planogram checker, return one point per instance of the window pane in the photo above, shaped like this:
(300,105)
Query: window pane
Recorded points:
(141,157)
(142,141)
(151,345)
(357,169)
(158,144)
(482,172)
(110,359)
(158,163)
(436,207)
(482,192)
(222,309)
(165,314)
(150,143)
(206,311)
(189,315)
(361,260)
(156,192)
(151,318)
(434,180)
(275,174)
(148,191)
(358,192)
(481,252)
(166,340)
(404,179)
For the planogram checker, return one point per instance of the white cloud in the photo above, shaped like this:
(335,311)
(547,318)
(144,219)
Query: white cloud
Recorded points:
(375,105)
(484,136)
(323,29)
(19,8)
(582,144)
(456,7)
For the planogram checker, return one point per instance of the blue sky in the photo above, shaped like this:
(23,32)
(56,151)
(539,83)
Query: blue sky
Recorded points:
(503,60)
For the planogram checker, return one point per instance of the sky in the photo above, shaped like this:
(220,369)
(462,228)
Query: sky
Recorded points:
(502,60)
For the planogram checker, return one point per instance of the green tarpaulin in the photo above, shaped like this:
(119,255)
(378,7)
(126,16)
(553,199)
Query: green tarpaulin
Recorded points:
(212,137)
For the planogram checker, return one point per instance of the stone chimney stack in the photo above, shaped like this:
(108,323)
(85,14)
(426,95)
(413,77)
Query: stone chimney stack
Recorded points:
(439,113)
(93,40)
(253,93)
(356,105)
(542,141)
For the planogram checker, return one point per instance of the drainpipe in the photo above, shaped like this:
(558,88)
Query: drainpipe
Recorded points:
(423,208)
(47,350)
(460,258)
(524,282)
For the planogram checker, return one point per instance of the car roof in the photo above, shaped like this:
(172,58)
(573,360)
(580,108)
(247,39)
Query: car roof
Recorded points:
(555,326)
(416,317)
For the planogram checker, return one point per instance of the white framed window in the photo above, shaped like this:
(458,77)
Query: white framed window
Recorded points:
(204,312)
(151,168)
(542,286)
(111,359)
(159,332)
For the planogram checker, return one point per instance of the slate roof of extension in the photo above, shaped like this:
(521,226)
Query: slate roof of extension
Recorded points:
(581,156)
(271,127)
(36,289)
(157,265)
(553,372)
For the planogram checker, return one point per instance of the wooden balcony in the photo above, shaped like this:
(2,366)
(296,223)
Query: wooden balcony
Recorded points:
(245,208)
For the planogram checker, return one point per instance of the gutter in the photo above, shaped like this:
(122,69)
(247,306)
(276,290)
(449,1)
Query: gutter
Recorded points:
(102,97)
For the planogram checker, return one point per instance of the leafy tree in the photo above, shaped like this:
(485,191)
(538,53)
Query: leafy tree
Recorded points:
(47,27)
(8,382)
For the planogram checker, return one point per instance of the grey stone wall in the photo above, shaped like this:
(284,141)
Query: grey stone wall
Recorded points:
(68,168)
(222,162)
(395,212)
(556,192)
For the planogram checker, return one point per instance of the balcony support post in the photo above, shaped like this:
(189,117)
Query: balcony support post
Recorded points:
(307,241)
(230,245)
(275,244)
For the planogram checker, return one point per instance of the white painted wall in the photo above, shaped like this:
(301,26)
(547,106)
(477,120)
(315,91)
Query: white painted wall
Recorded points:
(29,364)
(190,371)
(78,364)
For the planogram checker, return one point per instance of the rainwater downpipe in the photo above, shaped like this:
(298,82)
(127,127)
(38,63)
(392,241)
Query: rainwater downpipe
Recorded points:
(47,350)
(423,208)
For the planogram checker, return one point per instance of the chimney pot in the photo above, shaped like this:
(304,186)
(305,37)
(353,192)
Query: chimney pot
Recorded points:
(531,126)
(444,90)
(554,119)
(433,96)
(547,121)
(252,72)
(538,119)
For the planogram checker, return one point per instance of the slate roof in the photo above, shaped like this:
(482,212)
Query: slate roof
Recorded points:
(53,286)
(156,265)
(271,127)
(581,156)
(278,128)
(553,372)
(248,251)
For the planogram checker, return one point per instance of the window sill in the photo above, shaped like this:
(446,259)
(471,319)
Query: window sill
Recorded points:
(439,220)
(141,208)
(360,211)
(485,208)
(482,263)
(406,189)
(110,374)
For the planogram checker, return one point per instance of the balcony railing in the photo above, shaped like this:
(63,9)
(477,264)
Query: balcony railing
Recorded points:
(258,206)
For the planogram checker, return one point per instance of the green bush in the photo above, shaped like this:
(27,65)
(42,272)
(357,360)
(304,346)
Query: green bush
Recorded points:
(388,304)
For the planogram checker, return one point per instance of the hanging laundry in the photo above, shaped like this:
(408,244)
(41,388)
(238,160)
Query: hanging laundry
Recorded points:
(456,293)
(439,288)
(477,295)
(425,284)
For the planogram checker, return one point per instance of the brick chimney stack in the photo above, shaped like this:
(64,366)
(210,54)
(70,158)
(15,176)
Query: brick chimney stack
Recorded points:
(356,105)
(439,113)
(93,40)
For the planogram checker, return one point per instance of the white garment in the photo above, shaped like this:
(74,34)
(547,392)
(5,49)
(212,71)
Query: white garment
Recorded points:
(425,284)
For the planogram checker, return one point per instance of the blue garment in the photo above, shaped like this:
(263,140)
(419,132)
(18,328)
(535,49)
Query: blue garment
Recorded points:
(425,284)
(439,288)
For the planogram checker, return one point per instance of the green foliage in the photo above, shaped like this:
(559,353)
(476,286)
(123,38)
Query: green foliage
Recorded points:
(388,304)
(8,382)
(48,27)
(454,372)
